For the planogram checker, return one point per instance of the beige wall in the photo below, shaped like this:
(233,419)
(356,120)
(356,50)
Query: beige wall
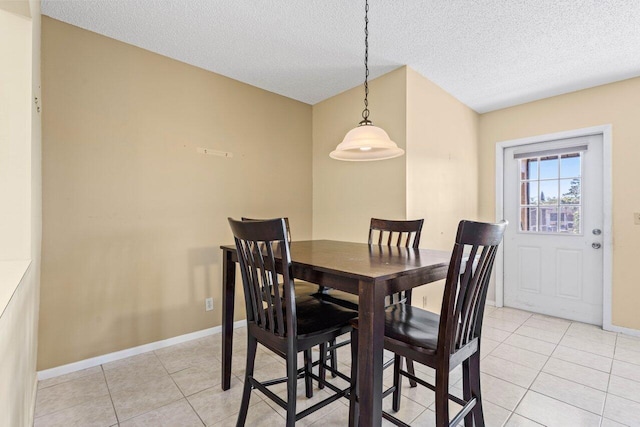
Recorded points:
(436,180)
(347,194)
(19,319)
(616,104)
(133,215)
(442,161)
(442,168)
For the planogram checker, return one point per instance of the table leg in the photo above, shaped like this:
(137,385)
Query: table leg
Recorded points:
(370,351)
(228,297)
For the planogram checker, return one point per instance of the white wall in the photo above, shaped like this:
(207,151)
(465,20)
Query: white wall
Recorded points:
(21,213)
(15,132)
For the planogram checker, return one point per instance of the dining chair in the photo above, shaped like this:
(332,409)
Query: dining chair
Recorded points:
(382,232)
(302,288)
(278,319)
(446,340)
(385,232)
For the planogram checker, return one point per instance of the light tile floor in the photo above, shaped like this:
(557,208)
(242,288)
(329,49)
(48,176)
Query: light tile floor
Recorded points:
(536,370)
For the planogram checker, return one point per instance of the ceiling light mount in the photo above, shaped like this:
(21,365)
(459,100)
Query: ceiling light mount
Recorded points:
(366,142)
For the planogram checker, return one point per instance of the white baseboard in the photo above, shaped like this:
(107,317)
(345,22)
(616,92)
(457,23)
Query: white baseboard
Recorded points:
(106,358)
(623,330)
(490,302)
(32,408)
(612,328)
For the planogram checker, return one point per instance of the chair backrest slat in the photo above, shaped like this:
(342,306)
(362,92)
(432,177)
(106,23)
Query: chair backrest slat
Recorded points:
(245,252)
(263,247)
(267,286)
(467,282)
(469,305)
(255,263)
(384,230)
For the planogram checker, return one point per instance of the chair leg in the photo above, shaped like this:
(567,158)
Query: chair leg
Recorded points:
(397,381)
(322,372)
(473,378)
(292,382)
(466,391)
(308,365)
(334,359)
(353,390)
(412,371)
(252,346)
(442,397)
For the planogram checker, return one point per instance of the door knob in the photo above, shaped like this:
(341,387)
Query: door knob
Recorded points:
(596,245)
(597,231)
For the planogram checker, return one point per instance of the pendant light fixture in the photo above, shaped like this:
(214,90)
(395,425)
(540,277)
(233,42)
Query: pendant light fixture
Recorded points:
(366,142)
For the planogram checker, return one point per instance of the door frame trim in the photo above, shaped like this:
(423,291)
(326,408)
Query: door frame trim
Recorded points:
(607,243)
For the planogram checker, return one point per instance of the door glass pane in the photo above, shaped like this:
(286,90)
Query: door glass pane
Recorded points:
(570,165)
(528,219)
(570,219)
(529,193)
(548,219)
(549,167)
(549,192)
(570,191)
(532,168)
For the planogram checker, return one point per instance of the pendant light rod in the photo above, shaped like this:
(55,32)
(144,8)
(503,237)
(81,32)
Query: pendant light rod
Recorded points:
(365,112)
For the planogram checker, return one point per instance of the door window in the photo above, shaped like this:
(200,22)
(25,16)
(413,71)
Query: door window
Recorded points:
(550,193)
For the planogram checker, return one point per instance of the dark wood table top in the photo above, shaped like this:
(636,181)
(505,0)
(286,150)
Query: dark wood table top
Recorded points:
(361,261)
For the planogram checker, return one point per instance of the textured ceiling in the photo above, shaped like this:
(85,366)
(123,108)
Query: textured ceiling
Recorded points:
(489,54)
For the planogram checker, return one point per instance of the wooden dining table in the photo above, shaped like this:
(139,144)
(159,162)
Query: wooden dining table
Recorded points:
(369,271)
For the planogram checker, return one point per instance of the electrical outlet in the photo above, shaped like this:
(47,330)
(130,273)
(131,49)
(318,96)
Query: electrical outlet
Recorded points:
(208,304)
(424,302)
(636,218)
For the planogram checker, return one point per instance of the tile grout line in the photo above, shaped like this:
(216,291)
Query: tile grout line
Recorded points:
(180,390)
(110,397)
(194,409)
(590,342)
(606,395)
(150,410)
(538,374)
(519,363)
(526,391)
(526,418)
(502,379)
(551,397)
(511,411)
(74,405)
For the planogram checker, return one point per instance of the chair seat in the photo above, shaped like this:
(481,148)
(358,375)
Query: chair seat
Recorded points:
(411,325)
(302,288)
(315,315)
(351,301)
(341,298)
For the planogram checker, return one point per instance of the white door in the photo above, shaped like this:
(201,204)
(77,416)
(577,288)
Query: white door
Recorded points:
(553,253)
